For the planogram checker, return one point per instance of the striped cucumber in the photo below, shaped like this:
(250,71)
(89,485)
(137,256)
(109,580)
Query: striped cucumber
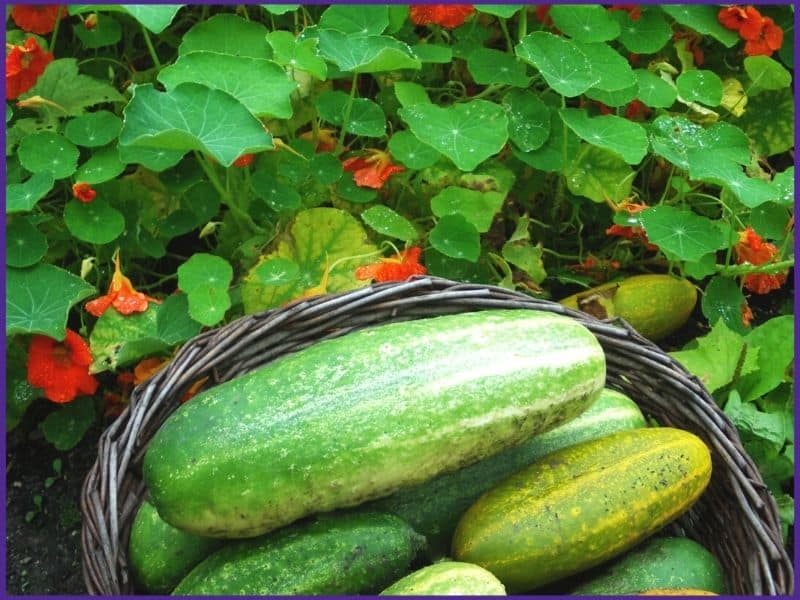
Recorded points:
(434,507)
(358,417)
(447,578)
(582,505)
(345,553)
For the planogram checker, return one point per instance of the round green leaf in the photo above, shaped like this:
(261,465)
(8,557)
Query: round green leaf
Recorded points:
(118,340)
(478,208)
(387,222)
(784,183)
(456,237)
(103,165)
(680,233)
(106,32)
(205,278)
(279,9)
(648,35)
(585,23)
(227,34)
(209,305)
(173,323)
(467,133)
(505,11)
(489,66)
(626,138)
(770,220)
(599,175)
(366,54)
(723,299)
(616,98)
(409,93)
(528,119)
(48,152)
(347,188)
(555,153)
(25,245)
(699,85)
(289,51)
(356,19)
(562,64)
(326,168)
(613,69)
(433,53)
(278,196)
(766,74)
(703,19)
(154,159)
(654,91)
(407,149)
(66,426)
(275,271)
(21,197)
(95,222)
(366,117)
(93,129)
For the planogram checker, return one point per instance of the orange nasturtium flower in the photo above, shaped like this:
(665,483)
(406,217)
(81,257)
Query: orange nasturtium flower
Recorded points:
(121,296)
(446,15)
(24,65)
(244,160)
(765,41)
(630,232)
(734,17)
(37,18)
(752,249)
(83,192)
(399,267)
(60,369)
(372,171)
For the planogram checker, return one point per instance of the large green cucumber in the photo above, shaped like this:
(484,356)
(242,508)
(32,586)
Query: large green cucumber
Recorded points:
(346,553)
(582,505)
(447,578)
(434,507)
(659,563)
(358,417)
(160,555)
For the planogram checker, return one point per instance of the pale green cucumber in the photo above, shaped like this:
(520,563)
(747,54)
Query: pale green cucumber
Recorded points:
(358,417)
(447,578)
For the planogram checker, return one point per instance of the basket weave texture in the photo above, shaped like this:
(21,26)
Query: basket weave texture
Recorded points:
(736,518)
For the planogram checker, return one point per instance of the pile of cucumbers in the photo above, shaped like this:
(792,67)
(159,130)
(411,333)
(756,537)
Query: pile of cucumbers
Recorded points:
(473,453)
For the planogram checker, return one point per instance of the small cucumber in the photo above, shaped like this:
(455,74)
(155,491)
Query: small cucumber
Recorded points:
(344,553)
(659,563)
(447,578)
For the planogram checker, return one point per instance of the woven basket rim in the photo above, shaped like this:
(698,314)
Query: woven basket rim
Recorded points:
(113,489)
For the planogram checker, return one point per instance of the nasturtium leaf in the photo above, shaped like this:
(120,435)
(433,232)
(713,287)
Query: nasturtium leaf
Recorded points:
(154,159)
(775,355)
(409,92)
(19,393)
(366,117)
(25,245)
(526,257)
(260,85)
(489,66)
(290,52)
(347,189)
(279,9)
(690,146)
(118,340)
(192,117)
(48,152)
(21,197)
(106,32)
(505,11)
(72,92)
(584,23)
(734,99)
(478,208)
(104,164)
(619,135)
(326,168)
(95,222)
(432,53)
(275,271)
(66,425)
(178,222)
(599,175)
(279,196)
(653,90)
(227,34)
(766,74)
(388,222)
(784,183)
(33,307)
(456,237)
(205,278)
(93,129)
(614,99)
(703,19)
(614,71)
(366,54)
(749,191)
(355,20)
(769,121)
(770,220)
(557,151)
(528,119)
(562,64)
(700,85)
(703,267)
(648,35)
(474,35)
(680,233)
(155,17)
(406,149)
(316,240)
(723,299)
(467,133)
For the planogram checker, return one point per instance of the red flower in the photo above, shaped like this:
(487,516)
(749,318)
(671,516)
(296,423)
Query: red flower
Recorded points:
(373,170)
(24,65)
(765,41)
(326,140)
(734,17)
(634,10)
(244,160)
(121,296)
(752,249)
(631,232)
(637,111)
(747,314)
(446,15)
(399,267)
(83,192)
(60,369)
(542,15)
(37,18)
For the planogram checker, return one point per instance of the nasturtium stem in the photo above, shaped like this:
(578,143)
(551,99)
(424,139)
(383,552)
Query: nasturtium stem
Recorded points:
(747,268)
(54,37)
(150,48)
(522,25)
(504,29)
(346,117)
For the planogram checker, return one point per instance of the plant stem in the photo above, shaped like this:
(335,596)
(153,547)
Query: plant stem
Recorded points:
(150,48)
(346,118)
(747,268)
(54,37)
(504,28)
(522,25)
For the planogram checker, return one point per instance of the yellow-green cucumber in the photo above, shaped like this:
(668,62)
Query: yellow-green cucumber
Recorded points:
(654,305)
(345,553)
(161,555)
(434,507)
(658,563)
(447,578)
(358,417)
(582,505)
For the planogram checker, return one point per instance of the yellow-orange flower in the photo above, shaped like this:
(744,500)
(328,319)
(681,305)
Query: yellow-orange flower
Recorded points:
(121,296)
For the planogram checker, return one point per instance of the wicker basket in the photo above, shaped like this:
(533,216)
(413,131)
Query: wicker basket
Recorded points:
(736,518)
